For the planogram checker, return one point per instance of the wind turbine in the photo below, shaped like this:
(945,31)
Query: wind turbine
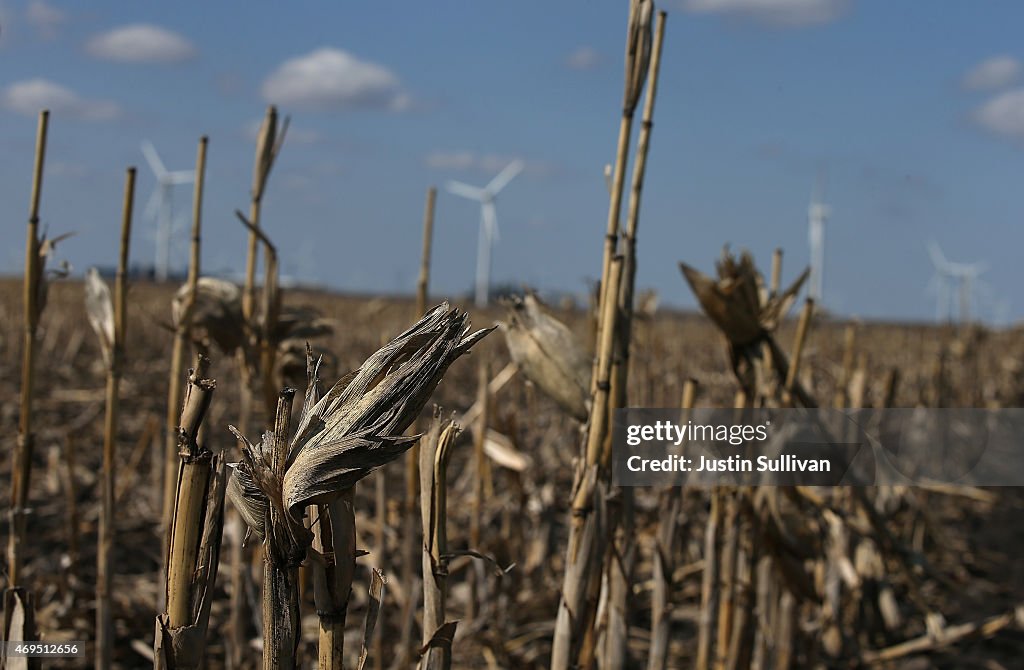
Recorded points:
(488,222)
(817,214)
(947,274)
(160,206)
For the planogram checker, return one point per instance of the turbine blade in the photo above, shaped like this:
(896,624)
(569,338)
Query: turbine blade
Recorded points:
(938,259)
(182,177)
(153,158)
(504,177)
(466,191)
(152,205)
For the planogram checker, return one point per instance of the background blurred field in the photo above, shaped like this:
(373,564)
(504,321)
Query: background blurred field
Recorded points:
(972,544)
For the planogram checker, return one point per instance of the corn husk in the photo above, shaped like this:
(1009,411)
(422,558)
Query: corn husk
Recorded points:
(352,430)
(549,355)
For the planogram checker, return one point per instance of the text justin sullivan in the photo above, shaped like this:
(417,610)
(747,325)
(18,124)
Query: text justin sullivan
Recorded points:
(784,463)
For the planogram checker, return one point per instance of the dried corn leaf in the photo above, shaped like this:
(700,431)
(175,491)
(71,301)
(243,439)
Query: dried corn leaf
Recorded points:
(42,279)
(732,316)
(737,302)
(247,498)
(377,583)
(317,475)
(442,638)
(216,313)
(500,449)
(638,50)
(100,310)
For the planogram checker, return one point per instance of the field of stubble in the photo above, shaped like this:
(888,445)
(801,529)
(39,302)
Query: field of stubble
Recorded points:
(971,544)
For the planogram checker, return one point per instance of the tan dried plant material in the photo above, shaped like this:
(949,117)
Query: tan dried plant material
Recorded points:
(352,430)
(548,354)
(638,50)
(738,301)
(216,313)
(99,308)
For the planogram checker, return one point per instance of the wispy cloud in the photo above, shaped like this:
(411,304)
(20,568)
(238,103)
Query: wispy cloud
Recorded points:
(783,13)
(45,18)
(7,22)
(141,43)
(583,58)
(481,162)
(330,79)
(993,73)
(1003,115)
(68,169)
(451,160)
(29,96)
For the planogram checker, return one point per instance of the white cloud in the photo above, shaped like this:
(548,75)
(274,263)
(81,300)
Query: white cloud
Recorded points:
(45,18)
(583,58)
(29,96)
(996,72)
(790,13)
(1003,114)
(141,43)
(332,79)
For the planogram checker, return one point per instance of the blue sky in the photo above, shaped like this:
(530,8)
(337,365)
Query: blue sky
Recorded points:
(915,109)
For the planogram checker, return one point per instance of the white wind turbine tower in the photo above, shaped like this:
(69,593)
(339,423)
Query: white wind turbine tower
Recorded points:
(949,275)
(160,206)
(488,223)
(817,214)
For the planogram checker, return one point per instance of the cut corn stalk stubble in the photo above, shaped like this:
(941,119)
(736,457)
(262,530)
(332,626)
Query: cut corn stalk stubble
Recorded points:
(340,438)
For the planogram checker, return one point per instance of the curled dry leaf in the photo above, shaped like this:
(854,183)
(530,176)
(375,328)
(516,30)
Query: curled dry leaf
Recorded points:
(42,280)
(548,354)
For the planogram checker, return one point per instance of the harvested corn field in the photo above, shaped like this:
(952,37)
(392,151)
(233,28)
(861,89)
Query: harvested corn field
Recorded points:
(229,468)
(957,549)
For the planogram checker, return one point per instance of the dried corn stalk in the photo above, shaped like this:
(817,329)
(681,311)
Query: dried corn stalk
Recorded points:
(342,437)
(433,501)
(747,313)
(195,534)
(549,354)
